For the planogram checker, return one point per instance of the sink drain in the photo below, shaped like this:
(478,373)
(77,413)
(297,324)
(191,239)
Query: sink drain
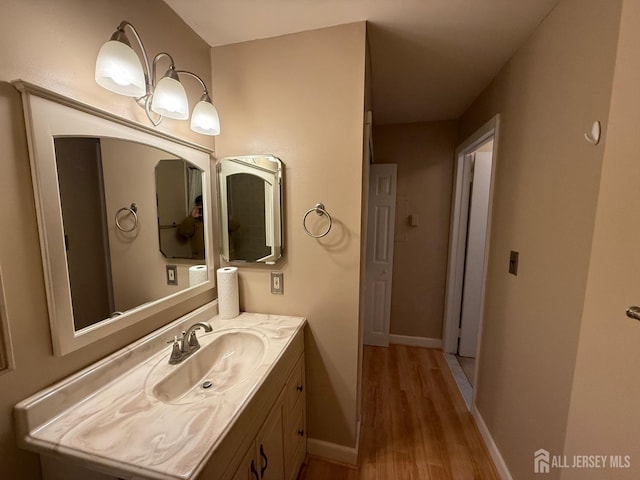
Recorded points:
(207,384)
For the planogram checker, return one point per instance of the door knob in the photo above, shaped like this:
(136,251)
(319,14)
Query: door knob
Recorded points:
(633,312)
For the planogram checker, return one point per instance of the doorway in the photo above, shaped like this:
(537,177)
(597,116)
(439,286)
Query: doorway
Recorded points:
(381,212)
(82,198)
(468,249)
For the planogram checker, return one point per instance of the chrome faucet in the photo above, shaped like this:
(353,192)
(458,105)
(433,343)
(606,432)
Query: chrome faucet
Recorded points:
(188,343)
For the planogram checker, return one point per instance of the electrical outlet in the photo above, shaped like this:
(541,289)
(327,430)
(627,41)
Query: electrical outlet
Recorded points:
(277,283)
(172,275)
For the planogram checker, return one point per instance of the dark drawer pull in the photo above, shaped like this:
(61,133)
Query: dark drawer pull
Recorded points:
(266,462)
(254,471)
(301,432)
(299,388)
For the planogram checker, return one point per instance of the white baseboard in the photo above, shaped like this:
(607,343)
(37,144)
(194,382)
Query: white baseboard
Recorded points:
(333,451)
(499,462)
(415,341)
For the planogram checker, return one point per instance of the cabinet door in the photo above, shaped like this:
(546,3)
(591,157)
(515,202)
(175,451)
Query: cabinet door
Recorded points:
(270,446)
(248,469)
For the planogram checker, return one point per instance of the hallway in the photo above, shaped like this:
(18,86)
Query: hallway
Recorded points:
(415,424)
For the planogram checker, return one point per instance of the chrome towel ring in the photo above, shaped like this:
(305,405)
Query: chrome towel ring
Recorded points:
(131,211)
(320,210)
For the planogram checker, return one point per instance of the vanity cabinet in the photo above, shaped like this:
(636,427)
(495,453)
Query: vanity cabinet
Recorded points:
(279,448)
(265,458)
(295,425)
(86,428)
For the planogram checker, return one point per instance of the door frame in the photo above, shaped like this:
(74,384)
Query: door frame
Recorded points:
(458,235)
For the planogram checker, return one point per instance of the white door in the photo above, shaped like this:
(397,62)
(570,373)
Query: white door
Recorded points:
(381,214)
(473,286)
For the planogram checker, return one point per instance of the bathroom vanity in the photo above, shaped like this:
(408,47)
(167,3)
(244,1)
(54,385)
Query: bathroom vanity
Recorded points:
(234,409)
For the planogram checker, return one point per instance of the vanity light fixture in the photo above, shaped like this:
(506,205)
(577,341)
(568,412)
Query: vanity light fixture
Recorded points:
(119,70)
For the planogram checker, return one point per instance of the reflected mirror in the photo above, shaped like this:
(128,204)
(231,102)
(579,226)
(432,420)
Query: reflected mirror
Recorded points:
(101,193)
(180,213)
(250,201)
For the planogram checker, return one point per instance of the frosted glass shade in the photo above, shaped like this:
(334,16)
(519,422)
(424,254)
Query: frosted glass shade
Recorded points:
(204,119)
(119,70)
(170,99)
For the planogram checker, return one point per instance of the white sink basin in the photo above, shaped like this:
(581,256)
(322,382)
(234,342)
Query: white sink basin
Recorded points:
(220,364)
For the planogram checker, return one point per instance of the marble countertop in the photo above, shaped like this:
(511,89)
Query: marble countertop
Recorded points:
(108,417)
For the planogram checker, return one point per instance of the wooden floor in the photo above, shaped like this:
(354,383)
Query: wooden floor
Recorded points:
(415,424)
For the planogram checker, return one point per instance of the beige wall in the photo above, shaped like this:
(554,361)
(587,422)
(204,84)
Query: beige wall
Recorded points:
(604,418)
(301,98)
(424,153)
(546,189)
(54,44)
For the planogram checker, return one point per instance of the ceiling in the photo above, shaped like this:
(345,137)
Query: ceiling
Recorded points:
(430,58)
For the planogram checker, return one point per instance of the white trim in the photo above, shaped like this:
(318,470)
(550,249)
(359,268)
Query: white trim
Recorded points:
(415,341)
(466,390)
(457,234)
(499,462)
(334,451)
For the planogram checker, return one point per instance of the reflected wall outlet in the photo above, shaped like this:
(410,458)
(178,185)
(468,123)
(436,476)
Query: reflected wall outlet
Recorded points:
(277,283)
(172,275)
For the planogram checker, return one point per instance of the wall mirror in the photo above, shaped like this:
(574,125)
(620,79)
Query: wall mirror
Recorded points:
(94,178)
(180,212)
(250,202)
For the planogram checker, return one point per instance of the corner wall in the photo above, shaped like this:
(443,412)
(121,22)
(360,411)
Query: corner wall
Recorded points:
(546,190)
(425,154)
(54,44)
(301,98)
(603,417)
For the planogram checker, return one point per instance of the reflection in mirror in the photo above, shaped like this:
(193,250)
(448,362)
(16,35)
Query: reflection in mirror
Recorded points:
(250,198)
(111,269)
(180,213)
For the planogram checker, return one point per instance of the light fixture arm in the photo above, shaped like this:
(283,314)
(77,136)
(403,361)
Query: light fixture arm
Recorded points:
(205,95)
(191,74)
(172,66)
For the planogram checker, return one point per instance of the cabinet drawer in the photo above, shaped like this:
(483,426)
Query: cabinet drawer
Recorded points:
(295,388)
(295,439)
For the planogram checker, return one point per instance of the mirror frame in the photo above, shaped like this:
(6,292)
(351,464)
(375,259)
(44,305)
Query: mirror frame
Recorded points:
(47,115)
(251,164)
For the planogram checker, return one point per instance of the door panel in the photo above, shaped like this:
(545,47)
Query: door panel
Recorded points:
(379,263)
(270,446)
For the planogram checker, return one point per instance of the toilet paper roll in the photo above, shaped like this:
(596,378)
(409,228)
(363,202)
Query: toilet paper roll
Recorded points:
(197,275)
(228,297)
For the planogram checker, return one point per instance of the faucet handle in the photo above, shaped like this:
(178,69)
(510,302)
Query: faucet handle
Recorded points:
(176,351)
(193,340)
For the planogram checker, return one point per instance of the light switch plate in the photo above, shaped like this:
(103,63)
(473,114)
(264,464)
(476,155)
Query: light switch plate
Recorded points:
(277,283)
(513,262)
(172,275)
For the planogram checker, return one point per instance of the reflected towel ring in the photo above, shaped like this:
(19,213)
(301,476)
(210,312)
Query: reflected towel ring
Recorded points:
(132,211)
(320,210)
